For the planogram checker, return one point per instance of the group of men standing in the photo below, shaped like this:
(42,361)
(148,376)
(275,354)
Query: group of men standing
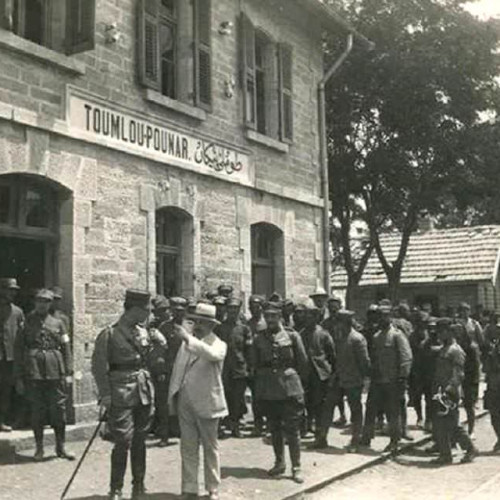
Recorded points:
(36,361)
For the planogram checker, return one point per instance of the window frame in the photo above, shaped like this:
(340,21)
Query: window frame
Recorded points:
(249,35)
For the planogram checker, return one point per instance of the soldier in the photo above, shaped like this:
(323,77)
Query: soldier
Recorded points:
(220,308)
(448,378)
(330,324)
(472,326)
(288,310)
(391,364)
(352,367)
(472,373)
(492,370)
(299,317)
(57,311)
(11,323)
(257,324)
(238,338)
(119,366)
(320,298)
(158,362)
(225,291)
(320,352)
(43,358)
(178,309)
(280,363)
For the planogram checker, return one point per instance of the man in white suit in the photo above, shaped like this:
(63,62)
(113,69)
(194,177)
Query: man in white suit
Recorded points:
(196,395)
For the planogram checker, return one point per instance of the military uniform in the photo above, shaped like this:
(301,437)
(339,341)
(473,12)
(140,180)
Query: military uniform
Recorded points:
(256,324)
(391,364)
(320,351)
(11,323)
(280,362)
(238,338)
(492,394)
(352,367)
(43,359)
(448,378)
(121,373)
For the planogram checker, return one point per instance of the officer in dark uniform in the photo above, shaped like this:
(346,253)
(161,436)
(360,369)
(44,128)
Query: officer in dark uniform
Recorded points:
(238,338)
(43,358)
(492,370)
(125,386)
(257,324)
(320,352)
(158,363)
(448,378)
(280,364)
(11,323)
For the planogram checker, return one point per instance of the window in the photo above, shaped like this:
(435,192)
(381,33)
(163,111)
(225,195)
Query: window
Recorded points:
(266,77)
(43,22)
(174,252)
(28,207)
(175,49)
(267,259)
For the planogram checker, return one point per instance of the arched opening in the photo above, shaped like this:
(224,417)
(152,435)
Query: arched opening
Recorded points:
(268,262)
(31,213)
(174,252)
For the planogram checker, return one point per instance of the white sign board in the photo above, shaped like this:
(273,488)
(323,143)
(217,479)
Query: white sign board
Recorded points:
(98,123)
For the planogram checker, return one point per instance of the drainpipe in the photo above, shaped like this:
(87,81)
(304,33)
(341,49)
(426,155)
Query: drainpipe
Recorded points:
(324,156)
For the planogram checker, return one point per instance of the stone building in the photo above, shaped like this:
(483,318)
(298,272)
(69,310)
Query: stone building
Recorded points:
(166,145)
(442,268)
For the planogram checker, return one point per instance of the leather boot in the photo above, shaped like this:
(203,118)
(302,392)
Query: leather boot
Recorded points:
(138,491)
(39,452)
(115,495)
(61,452)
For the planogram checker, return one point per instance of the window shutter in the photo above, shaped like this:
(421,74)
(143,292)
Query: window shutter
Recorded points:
(80,26)
(149,44)
(202,53)
(247,77)
(7,14)
(285,91)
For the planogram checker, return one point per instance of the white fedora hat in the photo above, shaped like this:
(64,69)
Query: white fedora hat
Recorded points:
(204,312)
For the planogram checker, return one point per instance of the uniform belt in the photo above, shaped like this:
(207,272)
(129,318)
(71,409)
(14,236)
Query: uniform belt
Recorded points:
(124,367)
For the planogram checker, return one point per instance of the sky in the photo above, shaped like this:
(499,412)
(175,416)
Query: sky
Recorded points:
(486,8)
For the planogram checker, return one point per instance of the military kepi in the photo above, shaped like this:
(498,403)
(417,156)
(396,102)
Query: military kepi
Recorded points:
(137,298)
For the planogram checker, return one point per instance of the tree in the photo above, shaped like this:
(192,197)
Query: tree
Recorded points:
(412,123)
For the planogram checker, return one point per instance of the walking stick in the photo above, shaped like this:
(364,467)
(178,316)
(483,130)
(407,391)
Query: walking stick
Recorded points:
(102,418)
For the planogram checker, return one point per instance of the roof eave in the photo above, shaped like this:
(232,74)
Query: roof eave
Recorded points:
(332,18)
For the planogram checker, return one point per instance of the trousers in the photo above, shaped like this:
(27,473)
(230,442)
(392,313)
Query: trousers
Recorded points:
(284,418)
(386,397)
(235,396)
(196,431)
(48,396)
(161,418)
(447,430)
(129,428)
(6,385)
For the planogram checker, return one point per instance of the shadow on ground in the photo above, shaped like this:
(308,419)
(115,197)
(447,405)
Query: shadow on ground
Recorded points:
(150,496)
(245,473)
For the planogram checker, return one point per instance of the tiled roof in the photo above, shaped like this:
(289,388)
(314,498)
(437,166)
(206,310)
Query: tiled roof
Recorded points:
(437,256)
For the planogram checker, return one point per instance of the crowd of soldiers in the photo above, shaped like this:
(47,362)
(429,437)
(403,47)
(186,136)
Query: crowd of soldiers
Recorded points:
(300,362)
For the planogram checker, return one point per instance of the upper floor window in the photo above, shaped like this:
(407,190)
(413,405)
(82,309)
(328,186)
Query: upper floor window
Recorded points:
(175,49)
(266,77)
(66,26)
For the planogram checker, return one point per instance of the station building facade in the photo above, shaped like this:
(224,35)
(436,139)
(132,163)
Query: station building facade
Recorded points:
(167,145)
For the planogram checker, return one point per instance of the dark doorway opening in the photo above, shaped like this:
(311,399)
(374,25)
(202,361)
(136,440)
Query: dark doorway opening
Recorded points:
(26,260)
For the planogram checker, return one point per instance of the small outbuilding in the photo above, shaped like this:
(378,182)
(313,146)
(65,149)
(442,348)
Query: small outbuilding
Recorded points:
(442,267)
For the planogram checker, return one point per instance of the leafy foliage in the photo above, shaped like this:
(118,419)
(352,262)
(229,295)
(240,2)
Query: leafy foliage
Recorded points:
(412,124)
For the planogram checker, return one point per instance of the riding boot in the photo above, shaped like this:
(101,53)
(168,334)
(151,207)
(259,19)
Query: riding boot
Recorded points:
(138,463)
(118,467)
(60,434)
(38,432)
